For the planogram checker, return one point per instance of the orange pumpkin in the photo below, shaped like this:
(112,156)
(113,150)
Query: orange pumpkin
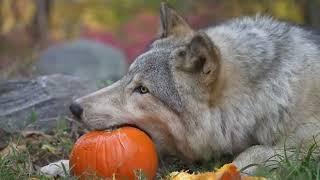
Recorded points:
(119,153)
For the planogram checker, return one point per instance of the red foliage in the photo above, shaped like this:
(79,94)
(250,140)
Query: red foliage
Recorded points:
(135,35)
(138,33)
(101,36)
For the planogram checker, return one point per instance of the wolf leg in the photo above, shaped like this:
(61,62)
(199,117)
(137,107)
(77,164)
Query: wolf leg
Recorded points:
(258,154)
(300,141)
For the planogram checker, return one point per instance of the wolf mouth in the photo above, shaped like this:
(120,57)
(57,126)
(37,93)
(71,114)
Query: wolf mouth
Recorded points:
(118,126)
(87,127)
(84,125)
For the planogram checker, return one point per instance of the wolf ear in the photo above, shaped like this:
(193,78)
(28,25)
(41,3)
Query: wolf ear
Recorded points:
(171,23)
(199,56)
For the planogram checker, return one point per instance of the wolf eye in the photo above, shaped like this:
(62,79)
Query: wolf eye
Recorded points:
(141,90)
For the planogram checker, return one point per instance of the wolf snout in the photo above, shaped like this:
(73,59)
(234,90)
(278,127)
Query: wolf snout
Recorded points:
(76,109)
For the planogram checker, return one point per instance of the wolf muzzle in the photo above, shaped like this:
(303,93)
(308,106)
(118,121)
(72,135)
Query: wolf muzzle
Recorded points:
(76,110)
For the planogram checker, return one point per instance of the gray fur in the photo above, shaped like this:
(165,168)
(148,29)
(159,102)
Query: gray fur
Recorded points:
(154,66)
(262,85)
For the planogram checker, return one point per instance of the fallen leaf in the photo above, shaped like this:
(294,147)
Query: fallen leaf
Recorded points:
(49,148)
(12,147)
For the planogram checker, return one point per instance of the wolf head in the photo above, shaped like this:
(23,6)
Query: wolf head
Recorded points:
(167,92)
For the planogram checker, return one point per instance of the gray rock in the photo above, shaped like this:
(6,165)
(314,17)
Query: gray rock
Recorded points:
(39,103)
(83,58)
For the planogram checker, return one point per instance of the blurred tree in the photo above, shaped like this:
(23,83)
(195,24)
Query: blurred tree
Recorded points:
(312,13)
(288,10)
(40,21)
(15,14)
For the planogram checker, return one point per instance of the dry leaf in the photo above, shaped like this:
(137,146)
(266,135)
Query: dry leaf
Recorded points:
(12,147)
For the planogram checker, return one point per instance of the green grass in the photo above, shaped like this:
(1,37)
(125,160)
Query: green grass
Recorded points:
(25,155)
(18,165)
(295,164)
(29,154)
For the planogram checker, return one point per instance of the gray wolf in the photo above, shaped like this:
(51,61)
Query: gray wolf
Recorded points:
(243,87)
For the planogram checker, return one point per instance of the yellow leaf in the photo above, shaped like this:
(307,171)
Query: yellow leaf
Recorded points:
(49,148)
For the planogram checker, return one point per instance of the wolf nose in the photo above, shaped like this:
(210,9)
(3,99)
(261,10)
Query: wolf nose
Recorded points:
(76,110)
